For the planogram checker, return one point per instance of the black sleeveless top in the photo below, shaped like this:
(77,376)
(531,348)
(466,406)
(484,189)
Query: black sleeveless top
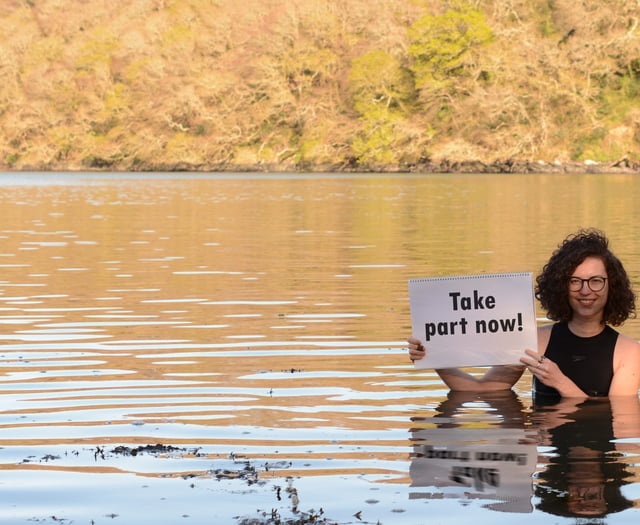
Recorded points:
(587,361)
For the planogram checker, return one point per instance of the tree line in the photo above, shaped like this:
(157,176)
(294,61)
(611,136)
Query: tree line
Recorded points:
(307,85)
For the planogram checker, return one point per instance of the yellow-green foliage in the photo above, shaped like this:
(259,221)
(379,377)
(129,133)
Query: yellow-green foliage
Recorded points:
(378,80)
(97,50)
(379,140)
(443,46)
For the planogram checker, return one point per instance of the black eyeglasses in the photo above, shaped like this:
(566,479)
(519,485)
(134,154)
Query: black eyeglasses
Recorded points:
(595,284)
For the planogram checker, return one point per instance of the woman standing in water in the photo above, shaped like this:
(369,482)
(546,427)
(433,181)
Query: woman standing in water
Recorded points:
(585,289)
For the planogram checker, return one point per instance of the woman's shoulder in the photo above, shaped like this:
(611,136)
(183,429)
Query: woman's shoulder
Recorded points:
(626,357)
(628,344)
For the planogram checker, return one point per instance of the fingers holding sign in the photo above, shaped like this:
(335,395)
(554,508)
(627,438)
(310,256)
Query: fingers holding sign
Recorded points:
(541,367)
(416,349)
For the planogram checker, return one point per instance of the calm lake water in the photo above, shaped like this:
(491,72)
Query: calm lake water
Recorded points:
(230,349)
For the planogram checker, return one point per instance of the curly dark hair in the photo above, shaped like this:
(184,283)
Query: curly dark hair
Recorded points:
(552,284)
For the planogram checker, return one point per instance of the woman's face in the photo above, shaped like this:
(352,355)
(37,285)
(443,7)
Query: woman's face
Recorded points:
(584,301)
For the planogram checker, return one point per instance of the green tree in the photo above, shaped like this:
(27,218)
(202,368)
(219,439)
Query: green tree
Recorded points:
(442,46)
(378,80)
(378,139)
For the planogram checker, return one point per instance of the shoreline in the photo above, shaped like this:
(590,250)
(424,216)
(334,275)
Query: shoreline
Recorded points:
(511,166)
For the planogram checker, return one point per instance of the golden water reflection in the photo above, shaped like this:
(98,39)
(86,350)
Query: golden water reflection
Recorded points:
(262,319)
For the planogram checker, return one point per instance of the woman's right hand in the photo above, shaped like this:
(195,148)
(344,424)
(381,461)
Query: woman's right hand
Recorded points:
(416,349)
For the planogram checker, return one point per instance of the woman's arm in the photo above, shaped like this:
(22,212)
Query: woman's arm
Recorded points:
(501,377)
(626,368)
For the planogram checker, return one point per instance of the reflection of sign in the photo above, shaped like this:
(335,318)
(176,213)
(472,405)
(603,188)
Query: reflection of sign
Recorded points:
(473,320)
(498,471)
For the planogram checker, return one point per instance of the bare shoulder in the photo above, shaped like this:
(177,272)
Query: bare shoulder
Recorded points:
(627,343)
(626,367)
(627,351)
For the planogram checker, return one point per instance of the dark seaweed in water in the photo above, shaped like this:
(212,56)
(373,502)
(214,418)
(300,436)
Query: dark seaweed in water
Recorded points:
(248,473)
(298,517)
(150,449)
(274,518)
(301,518)
(123,450)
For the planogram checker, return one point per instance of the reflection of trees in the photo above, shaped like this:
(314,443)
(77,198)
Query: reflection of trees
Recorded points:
(584,475)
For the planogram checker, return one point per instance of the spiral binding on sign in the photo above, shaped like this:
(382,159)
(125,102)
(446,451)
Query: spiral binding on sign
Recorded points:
(464,277)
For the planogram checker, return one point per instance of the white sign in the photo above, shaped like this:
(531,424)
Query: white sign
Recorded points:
(473,320)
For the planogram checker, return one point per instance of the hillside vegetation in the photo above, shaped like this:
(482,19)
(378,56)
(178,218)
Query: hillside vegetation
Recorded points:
(318,84)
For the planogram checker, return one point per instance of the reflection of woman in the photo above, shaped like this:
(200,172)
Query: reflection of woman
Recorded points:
(504,405)
(585,289)
(583,478)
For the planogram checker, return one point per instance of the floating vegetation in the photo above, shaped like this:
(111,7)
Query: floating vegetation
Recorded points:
(295,515)
(275,518)
(248,473)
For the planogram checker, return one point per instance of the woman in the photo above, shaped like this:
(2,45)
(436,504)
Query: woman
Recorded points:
(585,289)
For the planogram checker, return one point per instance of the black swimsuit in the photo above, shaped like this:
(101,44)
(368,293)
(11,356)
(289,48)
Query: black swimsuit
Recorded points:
(587,361)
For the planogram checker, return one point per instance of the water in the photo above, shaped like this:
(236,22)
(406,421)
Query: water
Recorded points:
(252,327)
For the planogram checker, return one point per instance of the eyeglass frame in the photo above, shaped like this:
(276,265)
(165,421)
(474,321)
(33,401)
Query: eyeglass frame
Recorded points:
(588,281)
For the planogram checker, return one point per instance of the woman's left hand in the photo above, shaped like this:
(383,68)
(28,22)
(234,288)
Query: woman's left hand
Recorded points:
(541,367)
